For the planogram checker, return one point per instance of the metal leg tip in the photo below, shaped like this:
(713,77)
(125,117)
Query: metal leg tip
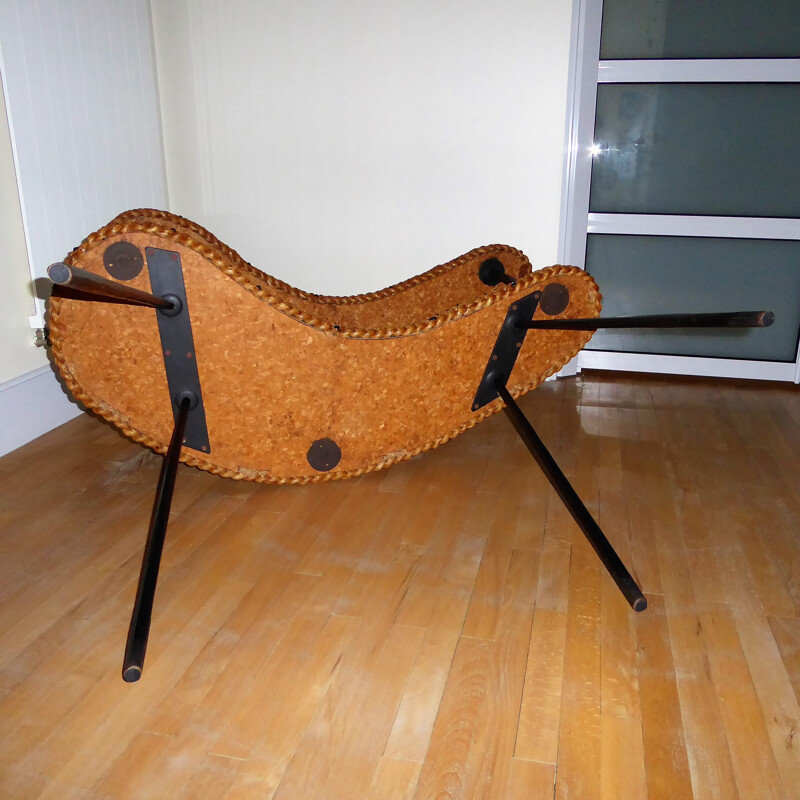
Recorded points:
(640,604)
(131,674)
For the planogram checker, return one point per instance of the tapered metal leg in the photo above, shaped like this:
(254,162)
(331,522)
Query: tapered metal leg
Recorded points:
(87,283)
(139,629)
(730,319)
(607,554)
(492,272)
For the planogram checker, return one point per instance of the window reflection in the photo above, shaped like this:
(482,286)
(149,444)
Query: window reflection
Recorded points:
(697,149)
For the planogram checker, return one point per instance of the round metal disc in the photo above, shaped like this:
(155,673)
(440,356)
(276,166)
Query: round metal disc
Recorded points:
(324,455)
(123,261)
(554,299)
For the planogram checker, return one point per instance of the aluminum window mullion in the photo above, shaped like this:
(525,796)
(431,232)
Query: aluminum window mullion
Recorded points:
(708,226)
(587,18)
(734,70)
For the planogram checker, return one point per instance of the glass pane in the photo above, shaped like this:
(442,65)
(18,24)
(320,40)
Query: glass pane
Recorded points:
(672,275)
(707,29)
(705,148)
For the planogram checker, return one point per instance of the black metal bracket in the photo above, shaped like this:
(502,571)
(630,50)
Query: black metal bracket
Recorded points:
(506,349)
(177,344)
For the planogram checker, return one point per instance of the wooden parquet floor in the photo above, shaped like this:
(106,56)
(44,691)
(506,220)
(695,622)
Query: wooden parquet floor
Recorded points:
(438,630)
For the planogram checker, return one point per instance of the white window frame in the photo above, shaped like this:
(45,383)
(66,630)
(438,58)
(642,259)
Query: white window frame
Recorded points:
(586,72)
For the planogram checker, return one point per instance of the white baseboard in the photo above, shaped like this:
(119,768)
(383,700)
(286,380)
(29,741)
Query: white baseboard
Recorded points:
(30,405)
(570,369)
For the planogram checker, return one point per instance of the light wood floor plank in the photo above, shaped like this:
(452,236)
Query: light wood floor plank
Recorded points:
(665,760)
(579,751)
(622,770)
(444,770)
(540,712)
(757,774)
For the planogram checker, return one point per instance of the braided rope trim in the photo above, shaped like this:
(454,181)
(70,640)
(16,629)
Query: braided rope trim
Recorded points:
(229,262)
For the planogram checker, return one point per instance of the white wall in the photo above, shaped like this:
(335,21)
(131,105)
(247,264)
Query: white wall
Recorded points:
(80,90)
(17,353)
(346,146)
(79,78)
(31,400)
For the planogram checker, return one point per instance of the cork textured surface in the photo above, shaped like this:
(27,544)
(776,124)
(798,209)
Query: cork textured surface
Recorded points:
(300,387)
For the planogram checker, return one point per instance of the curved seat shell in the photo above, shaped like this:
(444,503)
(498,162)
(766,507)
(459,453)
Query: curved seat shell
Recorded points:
(384,375)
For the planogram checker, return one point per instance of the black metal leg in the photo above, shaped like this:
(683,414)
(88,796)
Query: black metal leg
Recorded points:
(492,272)
(607,554)
(139,629)
(87,283)
(732,319)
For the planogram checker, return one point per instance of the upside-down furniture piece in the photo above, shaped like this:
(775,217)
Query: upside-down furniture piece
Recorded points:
(168,334)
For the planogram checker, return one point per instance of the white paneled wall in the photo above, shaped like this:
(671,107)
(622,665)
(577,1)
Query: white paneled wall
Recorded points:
(18,353)
(346,146)
(81,95)
(83,144)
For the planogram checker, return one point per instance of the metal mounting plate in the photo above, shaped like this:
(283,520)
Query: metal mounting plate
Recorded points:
(177,344)
(506,348)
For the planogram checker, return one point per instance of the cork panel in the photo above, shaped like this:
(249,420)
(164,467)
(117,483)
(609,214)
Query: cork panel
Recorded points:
(272,386)
(459,285)
(416,301)
(171,231)
(259,281)
(112,350)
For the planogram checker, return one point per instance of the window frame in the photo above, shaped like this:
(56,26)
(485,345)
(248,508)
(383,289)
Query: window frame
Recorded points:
(587,71)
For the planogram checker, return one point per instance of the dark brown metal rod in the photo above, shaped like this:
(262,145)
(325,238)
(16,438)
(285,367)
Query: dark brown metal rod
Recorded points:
(732,319)
(492,272)
(139,629)
(611,561)
(81,280)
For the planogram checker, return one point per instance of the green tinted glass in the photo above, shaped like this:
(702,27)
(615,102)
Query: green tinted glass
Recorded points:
(700,29)
(668,274)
